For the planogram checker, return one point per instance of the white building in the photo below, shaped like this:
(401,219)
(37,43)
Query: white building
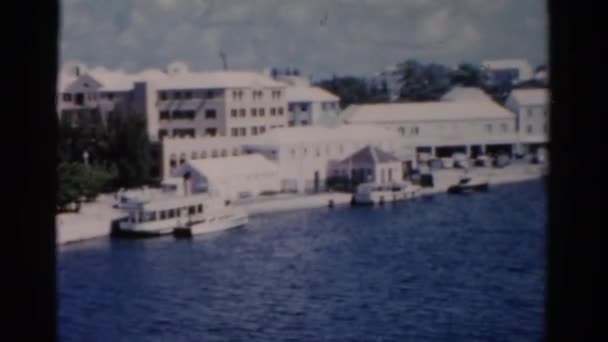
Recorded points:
(369,164)
(442,128)
(309,105)
(507,70)
(225,103)
(531,107)
(231,177)
(176,151)
(306,154)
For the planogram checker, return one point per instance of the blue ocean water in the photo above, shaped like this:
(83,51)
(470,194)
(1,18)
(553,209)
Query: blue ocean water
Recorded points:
(451,268)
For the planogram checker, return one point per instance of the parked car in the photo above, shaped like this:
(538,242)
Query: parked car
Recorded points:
(501,160)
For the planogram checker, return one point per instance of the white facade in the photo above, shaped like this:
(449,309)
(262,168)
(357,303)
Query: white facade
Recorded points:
(432,125)
(531,106)
(308,105)
(231,177)
(177,151)
(306,154)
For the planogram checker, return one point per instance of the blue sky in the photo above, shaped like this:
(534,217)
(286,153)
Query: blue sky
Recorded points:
(358,37)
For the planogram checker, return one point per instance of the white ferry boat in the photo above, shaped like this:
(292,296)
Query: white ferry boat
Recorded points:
(180,215)
(373,193)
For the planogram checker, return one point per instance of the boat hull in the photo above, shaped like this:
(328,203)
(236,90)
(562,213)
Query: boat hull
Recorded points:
(460,189)
(217,225)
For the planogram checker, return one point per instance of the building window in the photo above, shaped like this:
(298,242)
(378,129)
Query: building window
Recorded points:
(530,113)
(162,133)
(254,112)
(243,131)
(304,107)
(200,208)
(402,130)
(67,97)
(489,128)
(280,111)
(209,94)
(163,95)
(262,129)
(224,153)
(210,114)
(214,154)
(304,122)
(235,152)
(292,107)
(211,131)
(188,95)
(254,130)
(530,129)
(261,111)
(182,132)
(291,123)
(318,152)
(203,154)
(242,113)
(234,113)
(164,115)
(194,156)
(235,132)
(177,95)
(504,127)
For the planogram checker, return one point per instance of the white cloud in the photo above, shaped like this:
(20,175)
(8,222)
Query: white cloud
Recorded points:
(435,27)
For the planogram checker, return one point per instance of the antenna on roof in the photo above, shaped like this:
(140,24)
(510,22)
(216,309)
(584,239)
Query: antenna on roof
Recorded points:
(224,58)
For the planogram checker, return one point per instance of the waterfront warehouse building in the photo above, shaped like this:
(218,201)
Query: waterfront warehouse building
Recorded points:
(443,128)
(305,155)
(232,177)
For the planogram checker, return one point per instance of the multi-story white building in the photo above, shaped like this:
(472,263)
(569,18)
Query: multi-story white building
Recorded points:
(220,103)
(305,155)
(86,96)
(442,128)
(531,107)
(309,105)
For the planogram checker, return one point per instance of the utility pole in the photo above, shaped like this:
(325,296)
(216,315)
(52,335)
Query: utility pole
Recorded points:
(224,62)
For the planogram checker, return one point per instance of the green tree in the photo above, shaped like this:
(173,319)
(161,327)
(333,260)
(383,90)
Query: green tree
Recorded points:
(468,75)
(352,90)
(422,82)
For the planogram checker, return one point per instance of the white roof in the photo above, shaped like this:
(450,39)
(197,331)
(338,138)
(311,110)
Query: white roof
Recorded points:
(218,79)
(308,94)
(234,166)
(322,134)
(111,80)
(425,111)
(530,97)
(466,94)
(505,64)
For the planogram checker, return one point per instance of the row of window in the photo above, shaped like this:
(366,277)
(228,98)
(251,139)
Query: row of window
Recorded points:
(186,132)
(186,114)
(302,123)
(255,94)
(242,131)
(413,130)
(503,127)
(317,151)
(544,111)
(187,94)
(151,216)
(255,112)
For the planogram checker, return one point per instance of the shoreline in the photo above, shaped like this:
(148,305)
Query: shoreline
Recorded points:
(98,216)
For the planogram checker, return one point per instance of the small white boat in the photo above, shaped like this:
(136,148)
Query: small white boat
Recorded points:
(180,215)
(469,183)
(372,193)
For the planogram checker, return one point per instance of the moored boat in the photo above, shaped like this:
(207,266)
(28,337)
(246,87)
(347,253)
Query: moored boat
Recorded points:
(468,184)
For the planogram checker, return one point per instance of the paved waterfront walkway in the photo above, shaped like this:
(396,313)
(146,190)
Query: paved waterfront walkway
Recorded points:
(94,219)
